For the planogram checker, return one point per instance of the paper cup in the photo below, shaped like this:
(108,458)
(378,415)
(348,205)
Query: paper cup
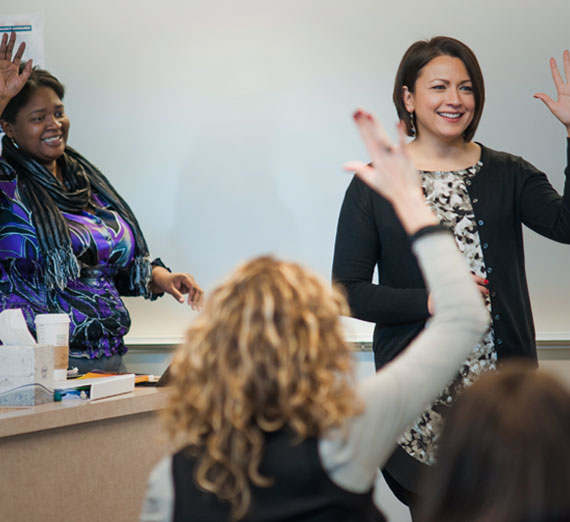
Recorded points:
(54,329)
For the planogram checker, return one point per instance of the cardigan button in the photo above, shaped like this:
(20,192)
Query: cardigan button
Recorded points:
(493,294)
(475,200)
(497,317)
(485,245)
(468,182)
(489,270)
(480,222)
(499,341)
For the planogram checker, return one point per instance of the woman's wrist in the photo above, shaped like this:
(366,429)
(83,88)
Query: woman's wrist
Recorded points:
(154,284)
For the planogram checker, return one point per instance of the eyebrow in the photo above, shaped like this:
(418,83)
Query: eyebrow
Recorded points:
(44,109)
(447,81)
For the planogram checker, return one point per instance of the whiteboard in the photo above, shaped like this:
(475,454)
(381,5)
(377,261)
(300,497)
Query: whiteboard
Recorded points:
(225,123)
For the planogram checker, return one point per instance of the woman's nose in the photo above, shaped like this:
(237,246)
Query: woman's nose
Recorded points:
(453,97)
(52,121)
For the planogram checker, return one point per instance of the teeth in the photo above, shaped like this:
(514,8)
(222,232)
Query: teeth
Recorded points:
(53,138)
(453,115)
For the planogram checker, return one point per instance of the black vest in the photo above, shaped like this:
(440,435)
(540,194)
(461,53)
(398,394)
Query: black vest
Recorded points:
(301,491)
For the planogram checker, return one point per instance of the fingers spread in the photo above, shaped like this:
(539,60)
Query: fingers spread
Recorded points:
(365,172)
(373,134)
(353,166)
(11,43)
(3,46)
(547,100)
(556,74)
(19,53)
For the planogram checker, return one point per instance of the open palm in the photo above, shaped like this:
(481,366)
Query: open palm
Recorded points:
(11,79)
(392,172)
(561,107)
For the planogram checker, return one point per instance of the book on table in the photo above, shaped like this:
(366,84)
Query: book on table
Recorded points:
(91,388)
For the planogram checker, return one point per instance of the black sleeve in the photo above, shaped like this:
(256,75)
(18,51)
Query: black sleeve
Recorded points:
(357,250)
(542,208)
(123,282)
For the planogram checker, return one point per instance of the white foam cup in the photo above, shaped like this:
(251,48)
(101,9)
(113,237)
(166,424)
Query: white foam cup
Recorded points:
(54,329)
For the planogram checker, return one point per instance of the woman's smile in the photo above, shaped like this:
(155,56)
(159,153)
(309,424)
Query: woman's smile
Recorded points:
(442,100)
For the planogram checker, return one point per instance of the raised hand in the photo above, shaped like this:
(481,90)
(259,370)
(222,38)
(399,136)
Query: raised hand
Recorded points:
(11,80)
(392,173)
(561,107)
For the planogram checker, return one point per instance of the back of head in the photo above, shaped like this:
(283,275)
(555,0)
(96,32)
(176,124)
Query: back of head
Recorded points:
(38,78)
(267,352)
(504,454)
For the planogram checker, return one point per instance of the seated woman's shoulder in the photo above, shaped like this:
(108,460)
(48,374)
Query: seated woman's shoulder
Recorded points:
(7,173)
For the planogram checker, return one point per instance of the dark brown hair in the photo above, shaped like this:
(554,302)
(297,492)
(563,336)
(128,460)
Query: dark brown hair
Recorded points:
(418,56)
(504,452)
(38,78)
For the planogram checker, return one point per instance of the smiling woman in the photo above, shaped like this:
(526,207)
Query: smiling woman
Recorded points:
(41,126)
(484,197)
(442,101)
(69,243)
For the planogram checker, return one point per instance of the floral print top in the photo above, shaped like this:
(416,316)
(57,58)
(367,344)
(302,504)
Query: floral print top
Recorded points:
(447,195)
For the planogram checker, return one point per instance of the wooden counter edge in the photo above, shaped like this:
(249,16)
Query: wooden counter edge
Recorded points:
(18,421)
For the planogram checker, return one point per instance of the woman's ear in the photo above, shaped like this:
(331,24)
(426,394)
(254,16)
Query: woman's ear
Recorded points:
(7,128)
(408,98)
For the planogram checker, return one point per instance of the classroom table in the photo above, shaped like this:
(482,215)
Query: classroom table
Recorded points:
(82,461)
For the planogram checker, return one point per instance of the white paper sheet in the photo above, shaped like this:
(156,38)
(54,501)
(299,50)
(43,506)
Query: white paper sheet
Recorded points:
(29,28)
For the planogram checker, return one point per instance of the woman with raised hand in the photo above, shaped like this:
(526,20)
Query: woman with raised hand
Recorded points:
(483,197)
(69,243)
(266,417)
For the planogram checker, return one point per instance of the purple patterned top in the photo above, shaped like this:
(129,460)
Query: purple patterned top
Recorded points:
(104,246)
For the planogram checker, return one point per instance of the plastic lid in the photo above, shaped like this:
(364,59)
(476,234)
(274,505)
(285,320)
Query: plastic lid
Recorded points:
(51,318)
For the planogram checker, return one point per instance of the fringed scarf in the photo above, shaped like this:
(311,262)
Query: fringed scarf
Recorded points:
(46,198)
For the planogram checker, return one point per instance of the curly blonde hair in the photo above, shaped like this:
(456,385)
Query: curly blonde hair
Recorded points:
(267,352)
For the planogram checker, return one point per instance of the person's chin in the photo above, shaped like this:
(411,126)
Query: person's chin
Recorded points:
(53,154)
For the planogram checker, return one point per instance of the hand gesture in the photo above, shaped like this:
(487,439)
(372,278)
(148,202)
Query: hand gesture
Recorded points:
(392,173)
(11,81)
(561,107)
(177,284)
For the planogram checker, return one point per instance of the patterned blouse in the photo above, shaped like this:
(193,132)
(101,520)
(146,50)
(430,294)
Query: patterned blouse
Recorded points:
(446,194)
(104,246)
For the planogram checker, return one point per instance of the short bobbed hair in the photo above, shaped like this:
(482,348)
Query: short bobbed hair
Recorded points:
(504,452)
(38,78)
(267,352)
(418,56)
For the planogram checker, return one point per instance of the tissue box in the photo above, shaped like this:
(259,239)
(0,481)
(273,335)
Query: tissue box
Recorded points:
(26,375)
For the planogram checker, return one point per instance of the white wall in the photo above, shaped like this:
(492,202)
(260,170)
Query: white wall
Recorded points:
(225,123)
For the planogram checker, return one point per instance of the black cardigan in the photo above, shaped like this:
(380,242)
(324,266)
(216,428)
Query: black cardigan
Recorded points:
(506,193)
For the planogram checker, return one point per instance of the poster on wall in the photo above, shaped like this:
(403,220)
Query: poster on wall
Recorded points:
(30,29)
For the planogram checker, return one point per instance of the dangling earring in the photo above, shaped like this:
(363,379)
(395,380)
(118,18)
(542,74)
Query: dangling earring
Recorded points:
(412,125)
(14,143)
